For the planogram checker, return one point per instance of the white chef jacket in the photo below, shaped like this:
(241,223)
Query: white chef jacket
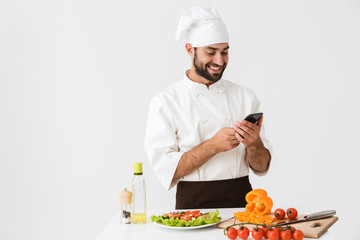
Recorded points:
(188,113)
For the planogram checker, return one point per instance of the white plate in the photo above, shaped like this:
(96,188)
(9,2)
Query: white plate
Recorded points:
(185,228)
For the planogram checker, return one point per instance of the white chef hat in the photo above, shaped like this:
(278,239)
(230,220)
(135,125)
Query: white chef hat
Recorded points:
(202,26)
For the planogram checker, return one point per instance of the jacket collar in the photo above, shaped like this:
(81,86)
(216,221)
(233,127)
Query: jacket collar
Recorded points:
(200,87)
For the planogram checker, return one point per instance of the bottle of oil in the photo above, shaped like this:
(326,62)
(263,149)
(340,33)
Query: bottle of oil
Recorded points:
(138,195)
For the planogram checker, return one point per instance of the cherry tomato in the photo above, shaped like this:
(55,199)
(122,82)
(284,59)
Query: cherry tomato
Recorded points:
(279,229)
(257,233)
(279,213)
(243,232)
(273,234)
(291,228)
(298,235)
(265,229)
(231,233)
(286,235)
(292,213)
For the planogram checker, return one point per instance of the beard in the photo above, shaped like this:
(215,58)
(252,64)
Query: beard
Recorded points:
(202,69)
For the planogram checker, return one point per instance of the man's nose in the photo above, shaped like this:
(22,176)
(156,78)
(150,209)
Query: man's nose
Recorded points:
(218,59)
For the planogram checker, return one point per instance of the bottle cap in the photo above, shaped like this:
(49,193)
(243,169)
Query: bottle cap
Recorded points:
(125,197)
(137,168)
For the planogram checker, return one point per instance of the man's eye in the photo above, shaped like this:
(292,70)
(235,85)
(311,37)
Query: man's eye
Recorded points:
(210,53)
(224,53)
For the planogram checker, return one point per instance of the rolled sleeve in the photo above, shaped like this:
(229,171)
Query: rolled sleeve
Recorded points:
(161,144)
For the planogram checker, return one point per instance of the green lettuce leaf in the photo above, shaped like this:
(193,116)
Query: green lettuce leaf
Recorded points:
(208,218)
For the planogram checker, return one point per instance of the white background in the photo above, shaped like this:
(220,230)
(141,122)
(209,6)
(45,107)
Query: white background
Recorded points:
(75,81)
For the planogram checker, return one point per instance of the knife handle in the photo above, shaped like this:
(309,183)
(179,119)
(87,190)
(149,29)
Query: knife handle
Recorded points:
(318,215)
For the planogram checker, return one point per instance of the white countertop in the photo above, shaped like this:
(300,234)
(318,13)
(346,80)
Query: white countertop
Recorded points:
(116,231)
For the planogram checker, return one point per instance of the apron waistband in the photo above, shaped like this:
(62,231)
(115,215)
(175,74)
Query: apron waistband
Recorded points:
(229,193)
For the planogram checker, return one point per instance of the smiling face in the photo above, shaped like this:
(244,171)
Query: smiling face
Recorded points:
(209,62)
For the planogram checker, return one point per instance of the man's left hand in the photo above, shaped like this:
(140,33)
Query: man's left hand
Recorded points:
(248,133)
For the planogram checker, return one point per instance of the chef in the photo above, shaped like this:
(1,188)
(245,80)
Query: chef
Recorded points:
(196,138)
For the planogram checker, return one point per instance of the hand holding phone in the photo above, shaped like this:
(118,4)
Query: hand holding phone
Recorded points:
(248,135)
(254,117)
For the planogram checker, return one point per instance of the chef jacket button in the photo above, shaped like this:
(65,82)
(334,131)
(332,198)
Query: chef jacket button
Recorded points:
(204,120)
(228,119)
(197,94)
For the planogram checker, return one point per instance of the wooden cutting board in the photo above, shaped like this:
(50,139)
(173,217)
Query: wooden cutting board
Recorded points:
(311,229)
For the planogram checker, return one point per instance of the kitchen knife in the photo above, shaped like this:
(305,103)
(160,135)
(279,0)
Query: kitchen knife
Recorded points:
(310,217)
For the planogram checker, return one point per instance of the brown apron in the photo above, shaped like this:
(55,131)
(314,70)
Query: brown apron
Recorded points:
(229,193)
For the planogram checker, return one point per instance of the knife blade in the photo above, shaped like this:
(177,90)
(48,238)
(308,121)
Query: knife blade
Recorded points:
(310,217)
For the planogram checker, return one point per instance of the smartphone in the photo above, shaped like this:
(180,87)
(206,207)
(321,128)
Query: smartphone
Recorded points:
(254,117)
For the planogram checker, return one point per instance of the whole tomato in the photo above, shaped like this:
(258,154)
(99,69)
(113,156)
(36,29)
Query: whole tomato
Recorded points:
(279,213)
(292,213)
(243,232)
(257,233)
(279,229)
(273,234)
(286,235)
(231,233)
(265,229)
(298,235)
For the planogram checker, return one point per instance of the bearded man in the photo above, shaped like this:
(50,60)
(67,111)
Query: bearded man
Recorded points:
(196,138)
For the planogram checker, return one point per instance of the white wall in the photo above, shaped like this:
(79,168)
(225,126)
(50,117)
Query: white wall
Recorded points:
(76,78)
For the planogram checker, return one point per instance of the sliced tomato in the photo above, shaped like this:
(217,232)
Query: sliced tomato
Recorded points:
(185,217)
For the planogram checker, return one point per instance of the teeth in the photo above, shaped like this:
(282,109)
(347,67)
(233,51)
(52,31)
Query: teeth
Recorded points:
(214,68)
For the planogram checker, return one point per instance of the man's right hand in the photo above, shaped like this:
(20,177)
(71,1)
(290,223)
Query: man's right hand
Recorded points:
(224,140)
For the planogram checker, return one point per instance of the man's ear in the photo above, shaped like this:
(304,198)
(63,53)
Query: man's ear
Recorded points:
(189,49)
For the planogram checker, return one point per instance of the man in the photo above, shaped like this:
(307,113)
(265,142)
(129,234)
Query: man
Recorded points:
(196,138)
